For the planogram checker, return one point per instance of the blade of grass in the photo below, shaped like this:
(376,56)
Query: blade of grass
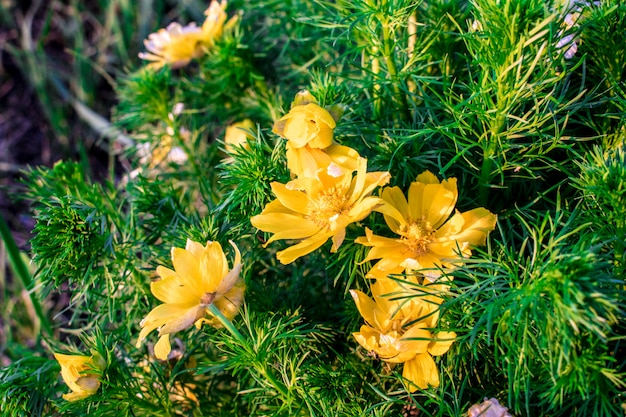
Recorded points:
(21,271)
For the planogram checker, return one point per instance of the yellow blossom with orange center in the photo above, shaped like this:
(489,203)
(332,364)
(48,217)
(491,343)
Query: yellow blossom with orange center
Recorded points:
(430,235)
(399,328)
(309,130)
(176,45)
(81,374)
(317,209)
(201,277)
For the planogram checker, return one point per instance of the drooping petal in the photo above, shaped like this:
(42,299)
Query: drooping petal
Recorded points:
(337,239)
(230,302)
(159,316)
(365,305)
(421,372)
(305,247)
(229,280)
(162,347)
(183,321)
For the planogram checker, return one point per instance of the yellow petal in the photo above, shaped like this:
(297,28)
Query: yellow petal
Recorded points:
(441,344)
(229,280)
(338,239)
(306,161)
(478,223)
(438,203)
(363,208)
(415,200)
(421,372)
(344,156)
(284,226)
(373,180)
(396,209)
(174,290)
(196,249)
(365,305)
(367,337)
(213,267)
(183,321)
(187,267)
(293,200)
(160,315)
(427,177)
(305,247)
(358,183)
(303,97)
(162,348)
(230,302)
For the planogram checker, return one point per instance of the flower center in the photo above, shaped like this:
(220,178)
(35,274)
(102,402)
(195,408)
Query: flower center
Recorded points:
(328,206)
(416,236)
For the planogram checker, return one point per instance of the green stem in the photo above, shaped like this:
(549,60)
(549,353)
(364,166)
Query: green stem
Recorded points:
(489,149)
(485,176)
(21,271)
(266,373)
(393,71)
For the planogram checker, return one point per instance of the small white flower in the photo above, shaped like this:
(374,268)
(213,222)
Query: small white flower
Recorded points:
(488,408)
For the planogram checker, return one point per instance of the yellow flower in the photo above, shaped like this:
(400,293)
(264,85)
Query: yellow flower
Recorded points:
(398,328)
(430,238)
(317,209)
(80,373)
(309,128)
(213,25)
(201,277)
(237,135)
(177,45)
(306,162)
(308,124)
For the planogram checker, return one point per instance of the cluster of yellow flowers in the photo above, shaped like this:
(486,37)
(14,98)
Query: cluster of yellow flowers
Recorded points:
(331,189)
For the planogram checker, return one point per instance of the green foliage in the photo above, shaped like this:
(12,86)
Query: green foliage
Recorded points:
(478,91)
(27,385)
(246,176)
